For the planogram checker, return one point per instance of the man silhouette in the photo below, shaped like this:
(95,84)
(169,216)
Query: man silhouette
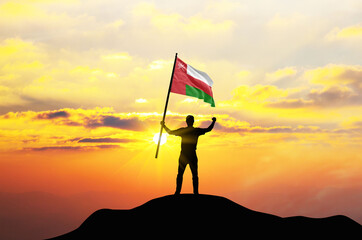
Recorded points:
(188,155)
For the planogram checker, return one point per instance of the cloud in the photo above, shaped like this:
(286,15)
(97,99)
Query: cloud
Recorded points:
(16,9)
(358,124)
(230,125)
(34,77)
(255,98)
(105,140)
(159,64)
(94,118)
(18,50)
(352,124)
(115,122)
(55,114)
(290,103)
(141,100)
(333,74)
(40,74)
(89,129)
(260,129)
(280,74)
(64,127)
(342,87)
(331,97)
(321,96)
(88,118)
(177,24)
(190,100)
(33,19)
(258,93)
(334,97)
(351,32)
(71,148)
(224,129)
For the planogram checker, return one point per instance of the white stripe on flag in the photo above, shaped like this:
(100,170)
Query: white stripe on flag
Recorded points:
(199,75)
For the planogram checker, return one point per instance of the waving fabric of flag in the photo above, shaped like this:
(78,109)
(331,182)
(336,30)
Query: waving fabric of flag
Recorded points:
(192,82)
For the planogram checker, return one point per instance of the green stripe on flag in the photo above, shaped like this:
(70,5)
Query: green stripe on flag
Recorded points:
(195,92)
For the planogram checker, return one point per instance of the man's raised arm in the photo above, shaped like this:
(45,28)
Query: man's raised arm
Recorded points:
(211,125)
(169,131)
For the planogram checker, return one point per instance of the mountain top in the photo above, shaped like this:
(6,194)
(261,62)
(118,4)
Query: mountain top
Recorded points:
(201,215)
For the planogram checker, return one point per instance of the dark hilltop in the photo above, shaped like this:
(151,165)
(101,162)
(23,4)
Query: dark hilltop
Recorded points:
(206,216)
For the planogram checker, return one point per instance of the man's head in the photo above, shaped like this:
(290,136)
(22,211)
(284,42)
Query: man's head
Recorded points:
(190,120)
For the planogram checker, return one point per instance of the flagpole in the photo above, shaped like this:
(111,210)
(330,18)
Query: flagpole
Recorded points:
(164,112)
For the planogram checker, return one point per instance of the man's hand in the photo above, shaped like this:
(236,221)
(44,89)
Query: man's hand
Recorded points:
(214,119)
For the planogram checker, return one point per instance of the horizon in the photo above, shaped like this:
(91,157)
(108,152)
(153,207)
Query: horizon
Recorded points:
(83,86)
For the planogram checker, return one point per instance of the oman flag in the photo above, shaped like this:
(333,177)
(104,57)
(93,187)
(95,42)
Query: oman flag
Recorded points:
(192,82)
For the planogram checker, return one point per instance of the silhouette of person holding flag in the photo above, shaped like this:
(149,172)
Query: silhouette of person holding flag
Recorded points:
(189,136)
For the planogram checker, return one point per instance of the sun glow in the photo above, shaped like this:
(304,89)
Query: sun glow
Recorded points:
(163,138)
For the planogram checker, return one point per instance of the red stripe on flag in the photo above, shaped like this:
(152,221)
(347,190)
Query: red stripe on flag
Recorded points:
(181,79)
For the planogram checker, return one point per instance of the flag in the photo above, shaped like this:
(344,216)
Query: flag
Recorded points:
(192,82)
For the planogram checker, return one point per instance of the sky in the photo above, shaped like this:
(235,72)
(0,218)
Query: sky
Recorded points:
(83,86)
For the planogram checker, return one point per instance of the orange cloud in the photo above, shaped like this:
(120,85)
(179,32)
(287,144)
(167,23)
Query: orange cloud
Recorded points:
(81,129)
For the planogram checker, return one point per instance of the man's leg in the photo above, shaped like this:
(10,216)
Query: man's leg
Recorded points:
(182,163)
(195,177)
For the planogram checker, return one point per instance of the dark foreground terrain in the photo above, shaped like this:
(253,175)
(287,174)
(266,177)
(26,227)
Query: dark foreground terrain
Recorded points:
(206,216)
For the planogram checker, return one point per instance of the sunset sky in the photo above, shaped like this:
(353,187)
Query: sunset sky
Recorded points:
(83,86)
